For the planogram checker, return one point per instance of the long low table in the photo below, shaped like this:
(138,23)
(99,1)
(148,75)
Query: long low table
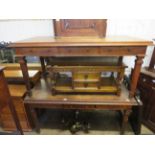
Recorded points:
(41,98)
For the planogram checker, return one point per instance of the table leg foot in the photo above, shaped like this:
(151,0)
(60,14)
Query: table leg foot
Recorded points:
(35,119)
(126,114)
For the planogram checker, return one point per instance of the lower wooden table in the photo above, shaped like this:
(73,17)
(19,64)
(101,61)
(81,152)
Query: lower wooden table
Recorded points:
(41,98)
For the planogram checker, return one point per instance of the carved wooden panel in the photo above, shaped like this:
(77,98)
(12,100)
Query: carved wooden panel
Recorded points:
(80,27)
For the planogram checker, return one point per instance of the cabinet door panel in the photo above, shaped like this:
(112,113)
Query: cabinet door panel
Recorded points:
(145,95)
(80,27)
(151,112)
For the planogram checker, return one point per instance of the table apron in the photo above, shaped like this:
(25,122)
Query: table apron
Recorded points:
(81,106)
(82,51)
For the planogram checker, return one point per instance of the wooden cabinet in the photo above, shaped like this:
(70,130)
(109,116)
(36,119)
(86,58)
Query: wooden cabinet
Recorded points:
(18,93)
(146,86)
(6,103)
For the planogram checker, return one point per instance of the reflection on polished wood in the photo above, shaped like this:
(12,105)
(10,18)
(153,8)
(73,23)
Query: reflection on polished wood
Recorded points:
(81,41)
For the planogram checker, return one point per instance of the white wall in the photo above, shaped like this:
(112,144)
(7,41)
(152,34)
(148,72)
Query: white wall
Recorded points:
(137,28)
(13,30)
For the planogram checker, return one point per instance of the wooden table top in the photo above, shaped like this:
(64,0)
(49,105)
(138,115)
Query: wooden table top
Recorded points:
(18,73)
(16,66)
(41,93)
(17,90)
(2,68)
(49,41)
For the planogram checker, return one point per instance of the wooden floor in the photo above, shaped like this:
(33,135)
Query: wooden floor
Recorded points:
(101,123)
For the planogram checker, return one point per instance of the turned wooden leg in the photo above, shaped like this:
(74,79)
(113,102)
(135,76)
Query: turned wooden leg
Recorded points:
(120,76)
(35,119)
(126,114)
(135,75)
(42,61)
(120,60)
(24,68)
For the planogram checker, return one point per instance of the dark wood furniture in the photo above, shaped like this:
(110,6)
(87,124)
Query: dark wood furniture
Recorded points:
(146,85)
(81,39)
(6,101)
(152,62)
(83,102)
(82,46)
(17,93)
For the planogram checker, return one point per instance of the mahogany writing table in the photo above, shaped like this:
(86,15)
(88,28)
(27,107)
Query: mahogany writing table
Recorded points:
(81,46)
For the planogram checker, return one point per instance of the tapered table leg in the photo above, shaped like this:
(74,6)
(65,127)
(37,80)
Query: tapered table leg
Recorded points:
(24,68)
(35,119)
(135,75)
